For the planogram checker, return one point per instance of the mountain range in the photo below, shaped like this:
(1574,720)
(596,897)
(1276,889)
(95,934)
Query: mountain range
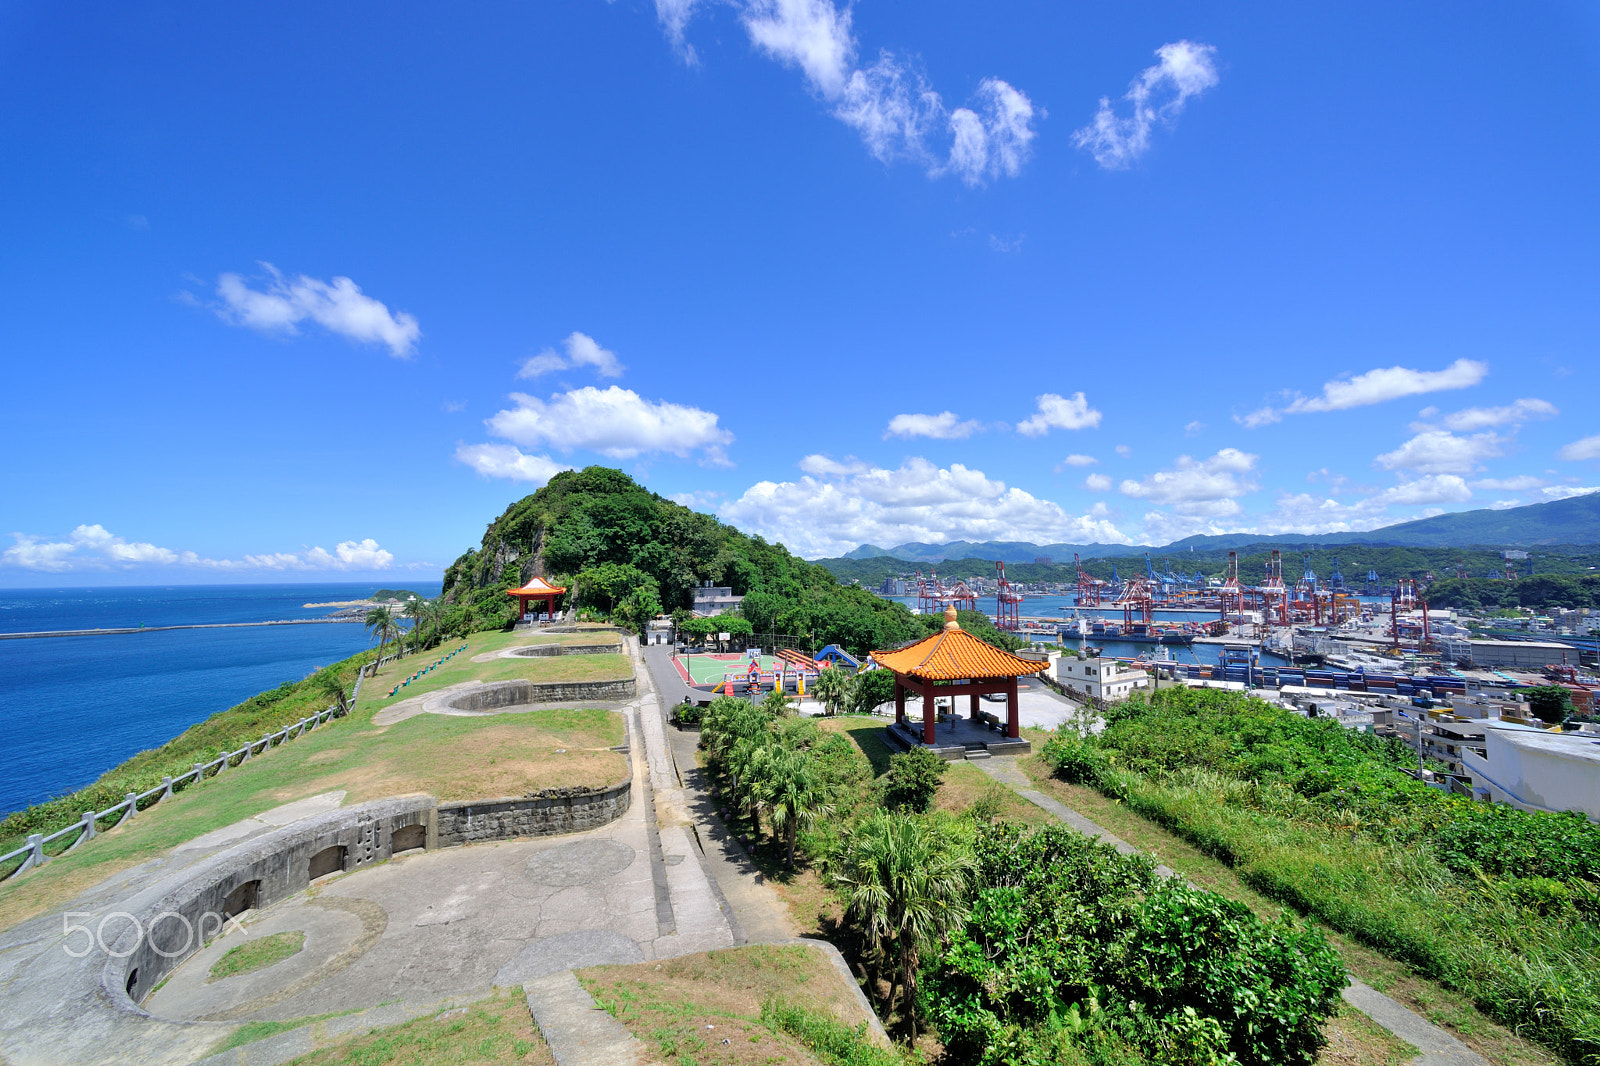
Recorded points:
(1570,521)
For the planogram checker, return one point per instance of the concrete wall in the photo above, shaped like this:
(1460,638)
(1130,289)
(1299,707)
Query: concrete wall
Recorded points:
(545,651)
(278,864)
(551,812)
(516,693)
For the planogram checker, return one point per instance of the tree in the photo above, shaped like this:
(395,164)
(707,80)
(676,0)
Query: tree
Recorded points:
(913,779)
(416,609)
(1549,703)
(832,689)
(381,625)
(873,688)
(907,885)
(328,682)
(793,793)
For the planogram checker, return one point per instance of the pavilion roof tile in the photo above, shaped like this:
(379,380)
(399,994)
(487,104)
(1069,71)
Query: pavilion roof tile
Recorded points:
(953,654)
(537,587)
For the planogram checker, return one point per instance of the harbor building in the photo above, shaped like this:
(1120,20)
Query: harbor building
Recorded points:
(1100,679)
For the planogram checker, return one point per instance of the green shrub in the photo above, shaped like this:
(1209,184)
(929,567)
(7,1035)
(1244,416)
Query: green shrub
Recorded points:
(912,780)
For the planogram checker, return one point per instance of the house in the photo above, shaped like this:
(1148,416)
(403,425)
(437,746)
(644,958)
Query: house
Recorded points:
(1100,679)
(712,599)
(1537,769)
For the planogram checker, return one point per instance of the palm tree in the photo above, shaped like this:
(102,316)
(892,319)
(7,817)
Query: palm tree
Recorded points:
(907,887)
(381,625)
(328,682)
(793,794)
(746,762)
(832,688)
(416,609)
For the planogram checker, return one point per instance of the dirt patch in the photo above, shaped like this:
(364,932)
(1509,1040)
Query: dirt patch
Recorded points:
(497,1030)
(1356,1040)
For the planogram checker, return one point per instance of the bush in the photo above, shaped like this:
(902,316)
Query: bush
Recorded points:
(689,713)
(912,781)
(1073,952)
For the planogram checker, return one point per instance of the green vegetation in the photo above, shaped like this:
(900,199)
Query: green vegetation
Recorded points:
(596,527)
(257,954)
(913,780)
(1542,592)
(923,902)
(739,1008)
(1498,903)
(1075,953)
(495,1030)
(402,595)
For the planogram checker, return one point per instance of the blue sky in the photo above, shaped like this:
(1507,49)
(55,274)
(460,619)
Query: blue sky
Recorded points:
(300,290)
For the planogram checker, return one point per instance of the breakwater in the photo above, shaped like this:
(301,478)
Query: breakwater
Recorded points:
(164,629)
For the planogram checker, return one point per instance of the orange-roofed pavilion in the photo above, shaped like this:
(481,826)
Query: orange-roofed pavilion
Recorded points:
(952,663)
(537,589)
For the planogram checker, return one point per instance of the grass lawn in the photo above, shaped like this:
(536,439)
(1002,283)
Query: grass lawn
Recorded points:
(604,667)
(1448,1009)
(706,1008)
(451,758)
(573,638)
(257,954)
(492,1031)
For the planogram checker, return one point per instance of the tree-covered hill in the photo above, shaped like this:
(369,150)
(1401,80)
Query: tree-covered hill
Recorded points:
(626,551)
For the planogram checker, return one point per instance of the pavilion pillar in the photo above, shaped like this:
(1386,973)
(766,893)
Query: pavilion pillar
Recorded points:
(927,713)
(975,712)
(522,603)
(899,702)
(1013,726)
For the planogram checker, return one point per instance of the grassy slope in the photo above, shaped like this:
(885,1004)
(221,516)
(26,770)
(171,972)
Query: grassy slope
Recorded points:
(684,1008)
(1440,1006)
(375,690)
(497,1030)
(444,756)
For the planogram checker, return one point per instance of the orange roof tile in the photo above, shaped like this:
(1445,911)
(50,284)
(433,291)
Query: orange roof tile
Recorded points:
(537,587)
(953,654)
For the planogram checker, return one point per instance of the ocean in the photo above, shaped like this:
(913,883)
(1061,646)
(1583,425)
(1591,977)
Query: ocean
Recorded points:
(74,707)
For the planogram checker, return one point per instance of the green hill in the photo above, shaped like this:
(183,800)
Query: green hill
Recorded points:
(628,552)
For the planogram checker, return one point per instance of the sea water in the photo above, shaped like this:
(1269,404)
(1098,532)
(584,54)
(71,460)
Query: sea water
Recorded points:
(73,707)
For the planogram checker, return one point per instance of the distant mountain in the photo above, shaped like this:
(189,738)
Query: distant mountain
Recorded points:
(1571,521)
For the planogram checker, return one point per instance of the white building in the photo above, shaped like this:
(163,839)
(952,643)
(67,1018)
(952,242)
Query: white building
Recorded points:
(715,599)
(1537,769)
(1102,679)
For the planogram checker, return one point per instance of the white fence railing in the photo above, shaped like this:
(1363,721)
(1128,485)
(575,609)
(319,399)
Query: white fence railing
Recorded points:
(33,854)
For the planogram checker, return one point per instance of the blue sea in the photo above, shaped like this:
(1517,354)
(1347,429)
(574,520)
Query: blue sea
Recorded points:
(74,707)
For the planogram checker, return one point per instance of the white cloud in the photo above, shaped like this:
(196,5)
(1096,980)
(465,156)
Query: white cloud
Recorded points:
(942,426)
(1158,94)
(1520,483)
(995,139)
(697,501)
(615,422)
(1566,492)
(1390,383)
(1123,450)
(1199,486)
(90,548)
(1504,505)
(1437,451)
(1194,429)
(338,306)
(1057,412)
(823,466)
(674,16)
(1516,413)
(1080,460)
(1579,450)
(916,502)
(582,350)
(888,102)
(508,461)
(1097,483)
(1434,488)
(1261,416)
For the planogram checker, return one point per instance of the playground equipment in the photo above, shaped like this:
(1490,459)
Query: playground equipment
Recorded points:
(838,657)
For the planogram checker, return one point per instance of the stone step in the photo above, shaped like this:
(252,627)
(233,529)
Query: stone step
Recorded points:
(979,754)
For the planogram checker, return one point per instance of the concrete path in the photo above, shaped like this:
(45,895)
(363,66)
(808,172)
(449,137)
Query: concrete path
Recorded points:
(1437,1047)
(578,1032)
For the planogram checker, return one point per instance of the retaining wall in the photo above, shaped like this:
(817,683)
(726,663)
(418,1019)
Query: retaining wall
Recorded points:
(499,694)
(549,813)
(542,651)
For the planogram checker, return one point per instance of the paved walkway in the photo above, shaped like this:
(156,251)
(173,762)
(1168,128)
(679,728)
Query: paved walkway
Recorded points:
(1437,1047)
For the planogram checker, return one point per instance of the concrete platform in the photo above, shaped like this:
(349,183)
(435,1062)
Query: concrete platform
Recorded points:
(955,740)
